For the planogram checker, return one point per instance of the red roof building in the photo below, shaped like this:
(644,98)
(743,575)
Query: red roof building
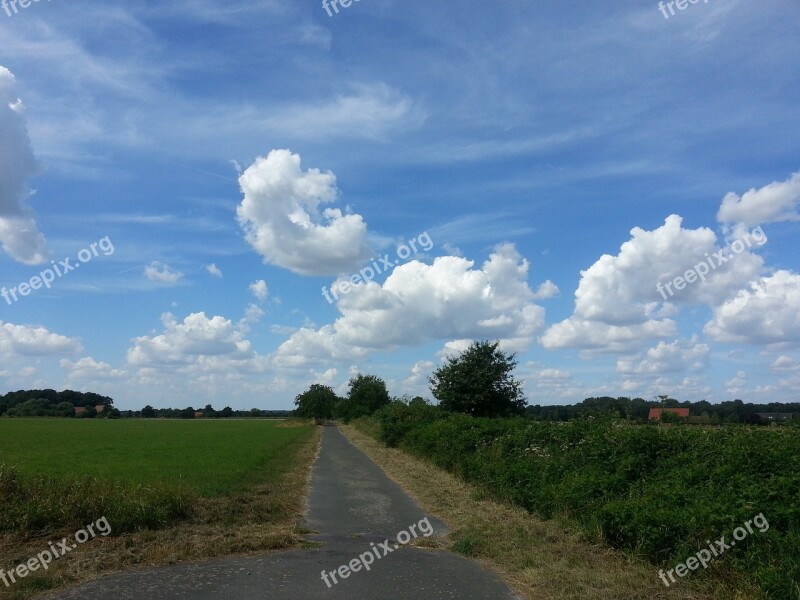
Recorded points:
(655,413)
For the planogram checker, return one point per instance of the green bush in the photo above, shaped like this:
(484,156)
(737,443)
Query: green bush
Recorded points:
(658,493)
(398,418)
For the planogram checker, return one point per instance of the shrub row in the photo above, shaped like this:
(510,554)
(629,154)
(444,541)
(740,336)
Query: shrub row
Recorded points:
(658,492)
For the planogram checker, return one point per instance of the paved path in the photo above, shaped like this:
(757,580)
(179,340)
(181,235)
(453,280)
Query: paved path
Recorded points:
(355,508)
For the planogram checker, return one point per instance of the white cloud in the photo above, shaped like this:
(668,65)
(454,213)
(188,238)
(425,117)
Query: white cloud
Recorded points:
(767,313)
(778,201)
(667,358)
(161,273)
(370,111)
(693,387)
(785,363)
(595,335)
(214,270)
(19,236)
(453,348)
(197,339)
(551,384)
(252,315)
(452,250)
(418,302)
(24,340)
(419,373)
(259,289)
(280,214)
(617,303)
(546,291)
(737,386)
(88,368)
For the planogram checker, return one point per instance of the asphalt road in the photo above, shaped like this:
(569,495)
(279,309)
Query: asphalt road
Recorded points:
(358,512)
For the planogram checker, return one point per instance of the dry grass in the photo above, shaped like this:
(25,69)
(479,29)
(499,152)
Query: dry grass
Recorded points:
(541,560)
(261,519)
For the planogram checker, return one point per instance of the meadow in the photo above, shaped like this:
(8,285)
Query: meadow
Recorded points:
(205,457)
(171,490)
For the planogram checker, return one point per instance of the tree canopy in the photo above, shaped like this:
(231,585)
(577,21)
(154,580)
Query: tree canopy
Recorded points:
(367,393)
(479,382)
(317,402)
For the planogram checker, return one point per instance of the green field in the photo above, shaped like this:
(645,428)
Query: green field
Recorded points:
(209,457)
(144,473)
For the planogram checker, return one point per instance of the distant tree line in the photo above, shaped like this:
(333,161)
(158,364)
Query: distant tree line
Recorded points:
(148,412)
(638,409)
(50,403)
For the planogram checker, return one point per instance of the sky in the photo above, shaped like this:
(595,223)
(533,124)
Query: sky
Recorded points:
(225,202)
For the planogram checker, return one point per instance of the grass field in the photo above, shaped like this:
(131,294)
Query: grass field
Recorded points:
(171,491)
(208,458)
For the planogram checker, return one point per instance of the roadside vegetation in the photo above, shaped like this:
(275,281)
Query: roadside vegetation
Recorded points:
(660,492)
(541,559)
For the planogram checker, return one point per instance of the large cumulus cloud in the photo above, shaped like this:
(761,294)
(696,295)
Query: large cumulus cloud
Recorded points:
(284,220)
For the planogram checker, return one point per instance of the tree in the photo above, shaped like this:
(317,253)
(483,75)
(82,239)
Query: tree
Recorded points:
(148,412)
(209,412)
(63,409)
(479,382)
(366,395)
(89,413)
(417,401)
(226,413)
(316,403)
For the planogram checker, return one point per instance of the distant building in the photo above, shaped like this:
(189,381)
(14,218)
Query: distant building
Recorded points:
(79,410)
(100,408)
(199,414)
(655,413)
(775,417)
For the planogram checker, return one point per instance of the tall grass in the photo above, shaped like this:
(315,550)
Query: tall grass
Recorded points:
(36,505)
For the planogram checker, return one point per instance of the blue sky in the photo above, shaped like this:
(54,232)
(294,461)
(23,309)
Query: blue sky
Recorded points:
(563,159)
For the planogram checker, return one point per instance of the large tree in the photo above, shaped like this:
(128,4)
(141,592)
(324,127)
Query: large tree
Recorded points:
(479,382)
(367,394)
(316,403)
